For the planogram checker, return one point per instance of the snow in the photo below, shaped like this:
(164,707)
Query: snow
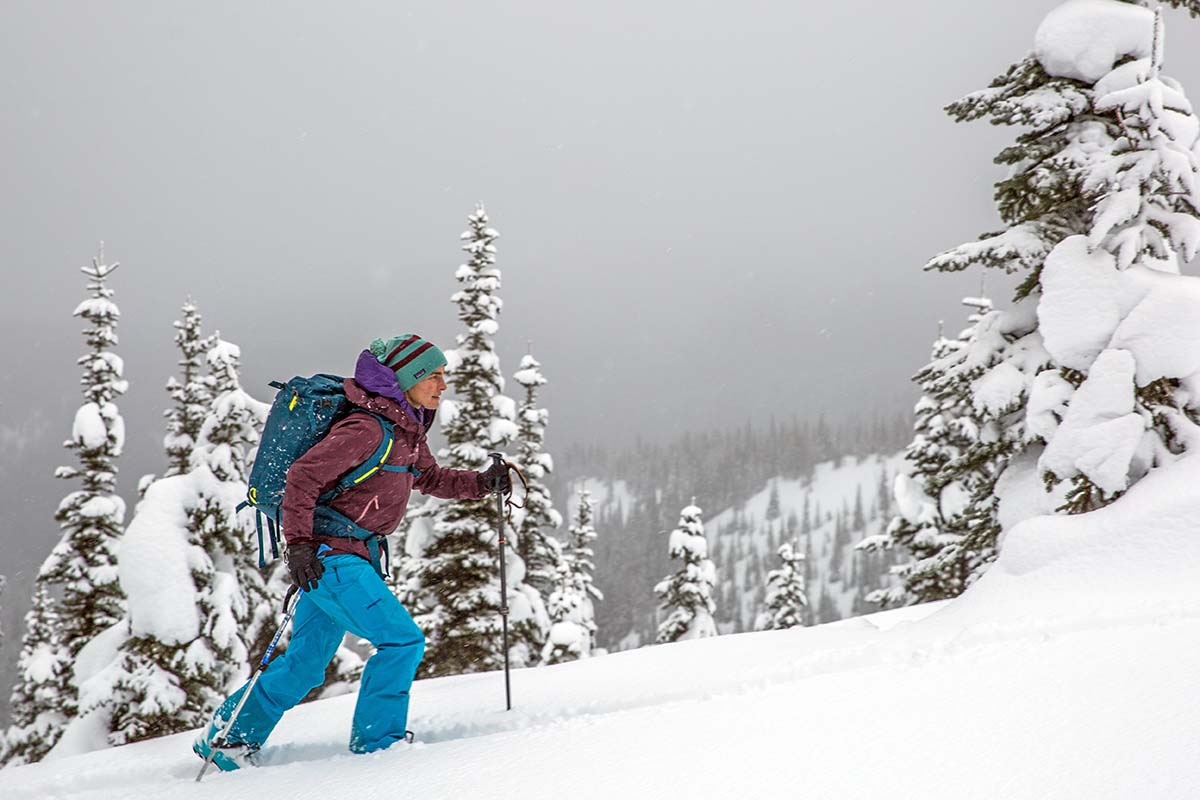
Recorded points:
(1048,398)
(93,673)
(99,506)
(1065,672)
(98,308)
(154,568)
(954,499)
(1021,492)
(89,430)
(1130,86)
(608,496)
(223,352)
(505,406)
(914,504)
(1079,308)
(1083,39)
(529,377)
(998,388)
(834,486)
(1101,430)
(1163,330)
(502,430)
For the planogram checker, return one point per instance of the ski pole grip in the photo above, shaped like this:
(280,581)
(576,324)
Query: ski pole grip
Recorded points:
(497,461)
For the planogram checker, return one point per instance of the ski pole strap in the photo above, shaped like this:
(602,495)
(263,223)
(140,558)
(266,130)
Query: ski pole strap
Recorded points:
(499,459)
(286,618)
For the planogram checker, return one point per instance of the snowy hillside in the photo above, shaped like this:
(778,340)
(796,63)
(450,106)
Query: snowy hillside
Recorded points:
(825,513)
(1068,671)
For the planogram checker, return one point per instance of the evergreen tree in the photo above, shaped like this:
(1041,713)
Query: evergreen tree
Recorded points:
(687,601)
(773,508)
(580,558)
(83,564)
(170,682)
(1090,193)
(78,581)
(535,522)
(453,584)
(785,600)
(228,437)
(569,639)
(948,481)
(1146,221)
(827,610)
(191,394)
(41,695)
(841,539)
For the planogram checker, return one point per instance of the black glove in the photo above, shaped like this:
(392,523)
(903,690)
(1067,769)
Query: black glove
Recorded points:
(487,479)
(304,566)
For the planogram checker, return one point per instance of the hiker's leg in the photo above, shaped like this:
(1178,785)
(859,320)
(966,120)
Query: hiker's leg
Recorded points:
(301,667)
(368,609)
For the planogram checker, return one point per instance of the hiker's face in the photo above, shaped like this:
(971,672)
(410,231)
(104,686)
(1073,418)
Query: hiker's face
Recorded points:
(428,393)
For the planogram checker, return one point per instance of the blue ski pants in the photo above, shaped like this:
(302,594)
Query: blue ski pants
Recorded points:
(350,596)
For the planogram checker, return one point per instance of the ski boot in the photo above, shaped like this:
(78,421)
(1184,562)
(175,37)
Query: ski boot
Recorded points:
(229,755)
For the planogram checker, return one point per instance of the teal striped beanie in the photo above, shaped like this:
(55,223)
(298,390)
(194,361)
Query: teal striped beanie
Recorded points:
(409,356)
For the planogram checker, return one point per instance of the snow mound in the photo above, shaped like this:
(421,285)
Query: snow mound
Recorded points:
(154,568)
(1135,559)
(1084,39)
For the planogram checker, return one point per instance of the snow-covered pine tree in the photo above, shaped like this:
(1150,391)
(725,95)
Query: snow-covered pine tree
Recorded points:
(572,599)
(228,438)
(785,601)
(988,377)
(687,601)
(944,477)
(78,581)
(176,667)
(191,392)
(1023,368)
(774,510)
(82,567)
(41,695)
(568,639)
(580,557)
(1134,406)
(453,584)
(535,523)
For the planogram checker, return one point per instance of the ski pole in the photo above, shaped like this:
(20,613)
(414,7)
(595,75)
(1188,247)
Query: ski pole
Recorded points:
(219,739)
(497,483)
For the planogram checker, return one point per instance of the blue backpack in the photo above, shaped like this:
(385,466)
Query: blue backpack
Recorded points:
(304,411)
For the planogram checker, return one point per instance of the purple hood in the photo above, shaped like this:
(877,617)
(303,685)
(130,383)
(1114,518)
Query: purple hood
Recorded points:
(379,379)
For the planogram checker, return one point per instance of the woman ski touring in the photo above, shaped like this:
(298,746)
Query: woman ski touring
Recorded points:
(341,496)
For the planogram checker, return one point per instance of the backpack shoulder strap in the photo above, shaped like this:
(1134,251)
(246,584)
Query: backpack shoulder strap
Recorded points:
(375,462)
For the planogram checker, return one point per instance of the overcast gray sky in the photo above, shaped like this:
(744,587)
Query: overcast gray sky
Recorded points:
(709,211)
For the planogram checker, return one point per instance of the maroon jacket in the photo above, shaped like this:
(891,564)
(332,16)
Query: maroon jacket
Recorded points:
(379,502)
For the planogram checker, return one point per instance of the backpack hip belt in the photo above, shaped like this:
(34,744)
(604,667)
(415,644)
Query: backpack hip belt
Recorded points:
(333,524)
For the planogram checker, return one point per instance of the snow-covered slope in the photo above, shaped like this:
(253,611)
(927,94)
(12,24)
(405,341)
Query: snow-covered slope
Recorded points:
(825,515)
(1068,671)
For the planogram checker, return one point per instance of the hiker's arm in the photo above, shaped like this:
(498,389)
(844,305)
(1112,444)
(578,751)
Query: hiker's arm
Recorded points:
(448,484)
(348,444)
